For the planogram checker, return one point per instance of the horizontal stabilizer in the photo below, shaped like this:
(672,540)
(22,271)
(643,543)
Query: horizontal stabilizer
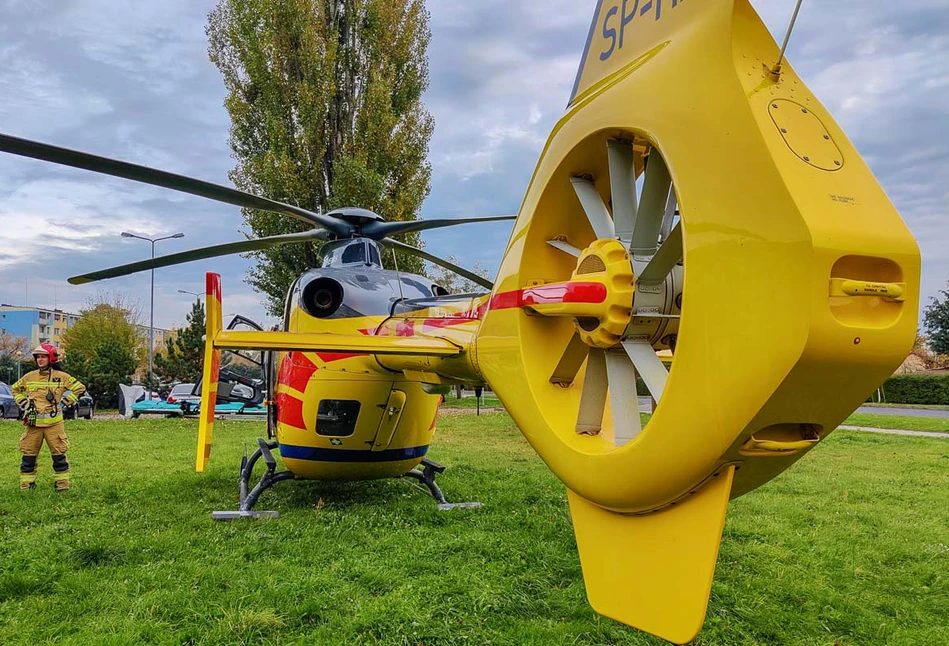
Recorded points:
(654,571)
(329,342)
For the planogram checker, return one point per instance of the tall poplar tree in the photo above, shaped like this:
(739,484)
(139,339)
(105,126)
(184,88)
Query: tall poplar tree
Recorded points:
(183,359)
(325,104)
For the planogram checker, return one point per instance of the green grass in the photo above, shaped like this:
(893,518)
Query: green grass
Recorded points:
(905,422)
(849,547)
(487,401)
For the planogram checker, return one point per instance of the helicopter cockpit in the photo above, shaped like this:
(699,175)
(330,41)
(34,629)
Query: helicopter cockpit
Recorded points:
(357,252)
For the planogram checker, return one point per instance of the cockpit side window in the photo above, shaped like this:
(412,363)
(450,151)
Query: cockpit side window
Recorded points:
(374,256)
(354,253)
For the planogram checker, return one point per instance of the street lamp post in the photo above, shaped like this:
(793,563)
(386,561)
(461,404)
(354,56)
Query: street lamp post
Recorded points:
(185,291)
(151,325)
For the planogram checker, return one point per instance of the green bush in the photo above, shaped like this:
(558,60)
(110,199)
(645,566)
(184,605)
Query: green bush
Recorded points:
(917,389)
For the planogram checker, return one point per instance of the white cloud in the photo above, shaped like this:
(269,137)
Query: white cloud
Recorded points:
(133,81)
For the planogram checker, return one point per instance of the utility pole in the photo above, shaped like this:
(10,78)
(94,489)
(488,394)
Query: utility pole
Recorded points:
(151,325)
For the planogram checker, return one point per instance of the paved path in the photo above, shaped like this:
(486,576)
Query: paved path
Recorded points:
(908,412)
(894,431)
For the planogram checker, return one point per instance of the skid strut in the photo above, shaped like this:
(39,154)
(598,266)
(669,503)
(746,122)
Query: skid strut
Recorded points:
(269,479)
(427,477)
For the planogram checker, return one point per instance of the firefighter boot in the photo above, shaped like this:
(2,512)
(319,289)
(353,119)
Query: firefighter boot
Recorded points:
(28,472)
(61,472)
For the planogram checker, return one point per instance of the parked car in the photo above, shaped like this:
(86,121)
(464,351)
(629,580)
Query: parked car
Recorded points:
(8,407)
(183,393)
(83,408)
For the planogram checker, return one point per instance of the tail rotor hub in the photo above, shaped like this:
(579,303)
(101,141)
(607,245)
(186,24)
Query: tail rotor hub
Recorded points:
(608,263)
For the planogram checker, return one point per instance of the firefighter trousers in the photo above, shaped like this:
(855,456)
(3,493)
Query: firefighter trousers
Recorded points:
(30,445)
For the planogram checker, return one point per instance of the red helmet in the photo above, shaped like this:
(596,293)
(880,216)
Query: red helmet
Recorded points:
(49,350)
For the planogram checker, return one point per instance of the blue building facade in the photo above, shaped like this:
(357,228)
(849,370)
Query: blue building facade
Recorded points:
(35,324)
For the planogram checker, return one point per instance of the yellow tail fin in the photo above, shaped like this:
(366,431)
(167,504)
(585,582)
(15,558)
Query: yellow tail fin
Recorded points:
(212,368)
(653,572)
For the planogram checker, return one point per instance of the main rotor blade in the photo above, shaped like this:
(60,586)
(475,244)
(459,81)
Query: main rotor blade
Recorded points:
(622,187)
(669,254)
(652,206)
(624,401)
(380,230)
(146,175)
(594,208)
(461,271)
(200,254)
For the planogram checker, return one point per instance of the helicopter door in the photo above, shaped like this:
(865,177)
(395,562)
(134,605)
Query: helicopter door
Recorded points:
(390,420)
(243,373)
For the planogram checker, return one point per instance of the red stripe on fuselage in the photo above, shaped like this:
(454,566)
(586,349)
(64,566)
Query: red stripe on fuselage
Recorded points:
(572,292)
(290,411)
(563,293)
(296,369)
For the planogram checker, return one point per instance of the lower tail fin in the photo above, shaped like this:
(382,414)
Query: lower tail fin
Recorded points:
(212,368)
(654,572)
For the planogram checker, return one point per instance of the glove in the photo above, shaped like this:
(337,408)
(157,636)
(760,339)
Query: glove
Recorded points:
(29,414)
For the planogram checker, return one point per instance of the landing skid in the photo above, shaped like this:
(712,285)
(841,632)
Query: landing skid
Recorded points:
(269,479)
(427,477)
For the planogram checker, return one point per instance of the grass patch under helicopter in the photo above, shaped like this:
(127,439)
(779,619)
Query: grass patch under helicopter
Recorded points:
(848,547)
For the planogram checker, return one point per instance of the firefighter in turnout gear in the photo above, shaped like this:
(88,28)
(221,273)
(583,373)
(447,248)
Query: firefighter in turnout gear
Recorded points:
(41,394)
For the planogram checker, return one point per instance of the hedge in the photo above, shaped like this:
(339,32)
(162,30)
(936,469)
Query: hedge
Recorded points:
(916,389)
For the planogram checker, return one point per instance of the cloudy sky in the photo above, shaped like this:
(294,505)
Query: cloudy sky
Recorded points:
(132,80)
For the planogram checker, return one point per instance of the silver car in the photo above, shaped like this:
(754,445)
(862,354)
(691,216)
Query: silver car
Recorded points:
(8,407)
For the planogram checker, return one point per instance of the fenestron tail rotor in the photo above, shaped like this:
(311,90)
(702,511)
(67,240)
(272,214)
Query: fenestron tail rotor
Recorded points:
(618,335)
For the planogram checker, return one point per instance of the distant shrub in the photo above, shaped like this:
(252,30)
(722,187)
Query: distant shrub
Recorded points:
(917,389)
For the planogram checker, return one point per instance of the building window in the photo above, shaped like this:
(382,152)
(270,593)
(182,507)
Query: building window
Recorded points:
(337,417)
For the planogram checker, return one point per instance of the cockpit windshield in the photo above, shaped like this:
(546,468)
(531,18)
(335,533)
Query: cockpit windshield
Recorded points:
(348,253)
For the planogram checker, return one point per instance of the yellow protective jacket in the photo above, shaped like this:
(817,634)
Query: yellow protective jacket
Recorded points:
(36,384)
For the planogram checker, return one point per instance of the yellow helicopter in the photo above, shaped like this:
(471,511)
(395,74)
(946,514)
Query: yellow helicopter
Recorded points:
(695,198)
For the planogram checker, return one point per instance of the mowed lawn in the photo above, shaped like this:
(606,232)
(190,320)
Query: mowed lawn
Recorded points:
(849,547)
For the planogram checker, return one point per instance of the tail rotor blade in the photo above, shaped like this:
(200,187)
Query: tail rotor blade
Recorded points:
(652,206)
(624,401)
(592,203)
(649,365)
(566,247)
(669,215)
(570,362)
(622,187)
(200,254)
(669,254)
(593,397)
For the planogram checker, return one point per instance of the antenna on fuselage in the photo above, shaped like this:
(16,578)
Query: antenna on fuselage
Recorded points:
(398,276)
